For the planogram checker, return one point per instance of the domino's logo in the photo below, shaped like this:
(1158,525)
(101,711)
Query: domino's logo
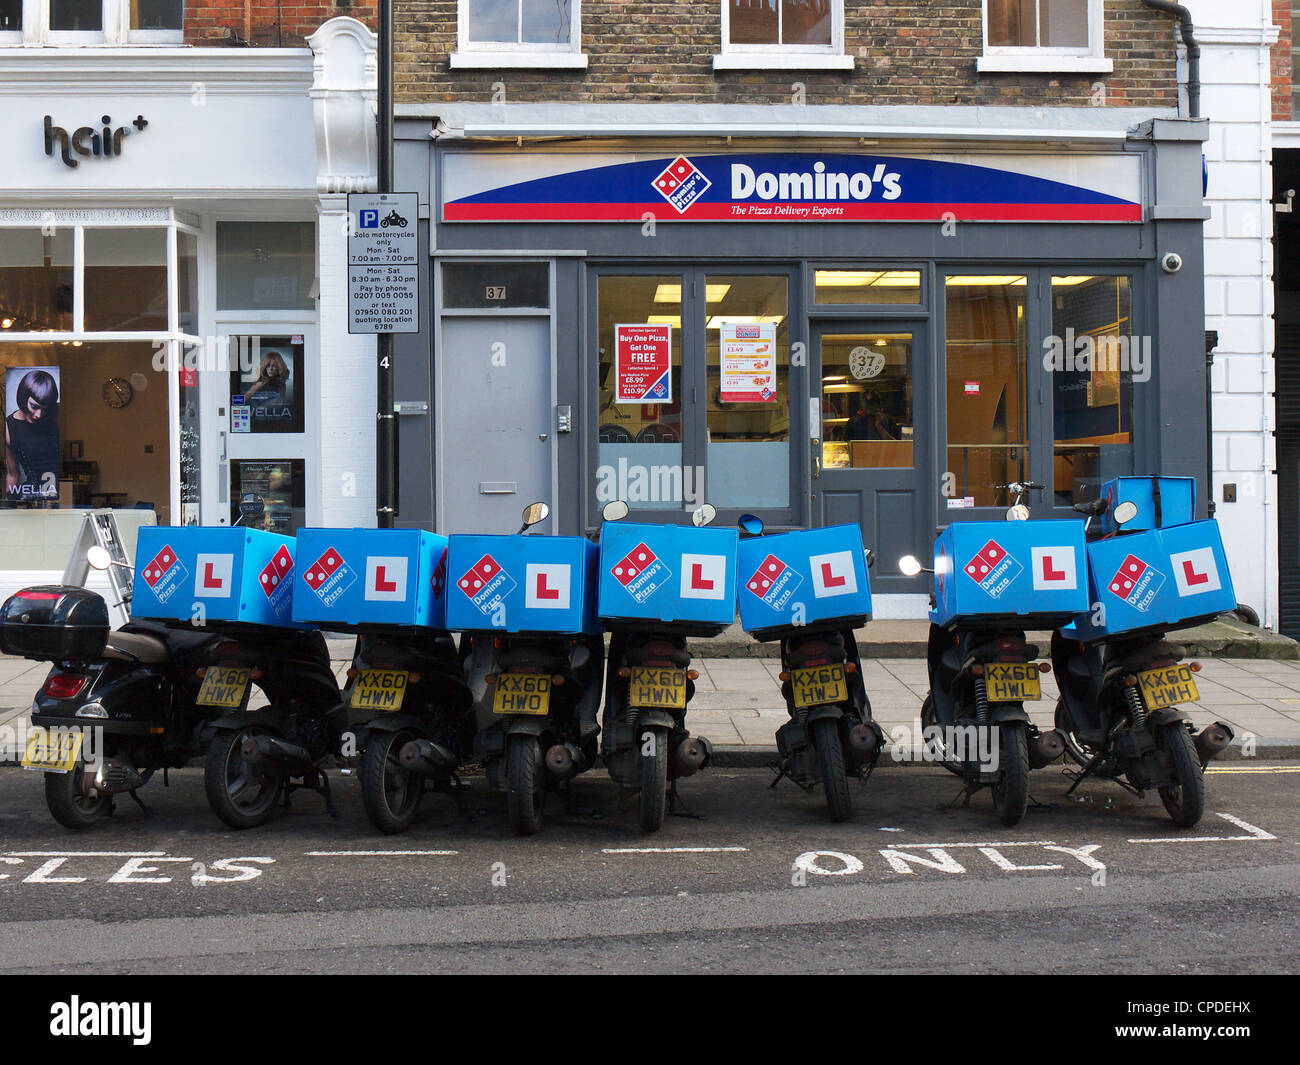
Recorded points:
(774,582)
(641,572)
(1137,583)
(330,576)
(164,574)
(276,581)
(993,569)
(681,183)
(486,584)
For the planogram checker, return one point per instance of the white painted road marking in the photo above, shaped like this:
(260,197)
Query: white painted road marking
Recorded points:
(380,854)
(672,850)
(1253,833)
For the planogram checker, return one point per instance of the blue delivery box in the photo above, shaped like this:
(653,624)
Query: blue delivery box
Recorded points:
(1161,502)
(1021,570)
(544,584)
(232,575)
(1157,580)
(681,575)
(351,578)
(800,578)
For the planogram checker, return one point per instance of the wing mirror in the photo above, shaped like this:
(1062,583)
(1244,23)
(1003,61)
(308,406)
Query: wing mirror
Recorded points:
(751,524)
(615,510)
(534,513)
(910,566)
(703,514)
(1125,513)
(99,558)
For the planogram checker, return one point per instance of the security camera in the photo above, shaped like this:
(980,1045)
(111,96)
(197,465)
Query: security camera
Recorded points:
(1171,263)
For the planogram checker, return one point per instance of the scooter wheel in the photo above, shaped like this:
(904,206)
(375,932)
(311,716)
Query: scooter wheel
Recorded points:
(1184,799)
(1011,793)
(239,796)
(525,785)
(930,719)
(654,778)
(391,794)
(70,807)
(830,760)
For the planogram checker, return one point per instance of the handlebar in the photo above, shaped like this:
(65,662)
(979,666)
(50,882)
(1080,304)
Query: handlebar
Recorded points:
(1093,507)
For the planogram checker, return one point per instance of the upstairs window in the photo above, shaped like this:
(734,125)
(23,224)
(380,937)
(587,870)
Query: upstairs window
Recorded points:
(1044,35)
(519,33)
(90,22)
(782,34)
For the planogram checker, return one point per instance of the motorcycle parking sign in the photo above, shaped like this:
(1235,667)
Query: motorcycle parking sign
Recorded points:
(383,263)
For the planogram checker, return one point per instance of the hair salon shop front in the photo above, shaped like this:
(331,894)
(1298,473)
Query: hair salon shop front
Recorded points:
(815,331)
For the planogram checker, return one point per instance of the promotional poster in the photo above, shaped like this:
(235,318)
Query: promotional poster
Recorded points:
(266,386)
(643,363)
(31,433)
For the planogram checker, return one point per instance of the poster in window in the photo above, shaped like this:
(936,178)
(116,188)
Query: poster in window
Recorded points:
(266,384)
(31,455)
(748,362)
(280,484)
(643,363)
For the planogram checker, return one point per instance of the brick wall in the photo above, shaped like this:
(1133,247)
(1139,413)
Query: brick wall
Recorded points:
(266,24)
(908,53)
(1280,59)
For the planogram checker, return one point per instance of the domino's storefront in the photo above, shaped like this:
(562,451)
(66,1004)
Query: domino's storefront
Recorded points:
(816,327)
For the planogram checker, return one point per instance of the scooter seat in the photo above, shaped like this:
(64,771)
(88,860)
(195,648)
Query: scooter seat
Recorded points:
(135,647)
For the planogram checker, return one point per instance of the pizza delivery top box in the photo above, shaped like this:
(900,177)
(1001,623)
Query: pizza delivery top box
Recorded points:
(1175,496)
(231,574)
(350,578)
(682,575)
(1019,570)
(1159,579)
(521,583)
(797,578)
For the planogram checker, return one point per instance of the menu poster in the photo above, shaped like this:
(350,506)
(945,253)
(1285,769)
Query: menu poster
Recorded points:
(31,452)
(748,362)
(266,384)
(280,484)
(643,363)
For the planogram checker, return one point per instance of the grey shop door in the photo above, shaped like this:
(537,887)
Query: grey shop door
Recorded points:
(496,439)
(874,463)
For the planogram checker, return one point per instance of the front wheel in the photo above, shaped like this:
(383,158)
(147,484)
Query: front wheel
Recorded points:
(241,795)
(1011,792)
(71,807)
(654,778)
(391,793)
(525,785)
(830,759)
(1185,797)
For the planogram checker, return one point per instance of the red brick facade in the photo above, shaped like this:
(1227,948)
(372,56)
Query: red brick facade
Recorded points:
(907,53)
(1281,62)
(266,24)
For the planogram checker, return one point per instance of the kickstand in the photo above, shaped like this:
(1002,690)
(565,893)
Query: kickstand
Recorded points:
(457,788)
(782,769)
(324,788)
(962,802)
(675,805)
(1034,804)
(1080,777)
(147,812)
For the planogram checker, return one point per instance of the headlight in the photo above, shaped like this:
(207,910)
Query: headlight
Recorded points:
(92,710)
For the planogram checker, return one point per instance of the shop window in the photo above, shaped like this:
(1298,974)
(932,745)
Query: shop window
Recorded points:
(266,266)
(782,34)
(639,367)
(747,344)
(1095,361)
(280,483)
(483,286)
(987,431)
(187,283)
(867,400)
(36,280)
(126,280)
(1043,35)
(862,286)
(519,33)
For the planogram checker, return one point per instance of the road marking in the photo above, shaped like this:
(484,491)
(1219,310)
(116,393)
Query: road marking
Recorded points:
(379,854)
(1254,833)
(672,850)
(941,846)
(1255,769)
(86,854)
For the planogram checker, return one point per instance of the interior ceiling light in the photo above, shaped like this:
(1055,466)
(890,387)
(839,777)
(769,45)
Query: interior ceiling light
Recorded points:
(867,279)
(673,293)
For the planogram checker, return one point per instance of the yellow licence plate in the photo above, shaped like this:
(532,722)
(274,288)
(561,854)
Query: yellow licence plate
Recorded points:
(53,752)
(650,688)
(818,686)
(223,688)
(379,689)
(522,693)
(1171,686)
(1012,682)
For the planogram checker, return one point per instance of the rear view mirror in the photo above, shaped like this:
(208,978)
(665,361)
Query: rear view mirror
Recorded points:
(1019,512)
(534,513)
(1125,512)
(99,558)
(751,524)
(909,565)
(616,510)
(703,514)
(869,556)
(252,507)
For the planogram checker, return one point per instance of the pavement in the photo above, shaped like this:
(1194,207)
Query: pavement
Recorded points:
(738,704)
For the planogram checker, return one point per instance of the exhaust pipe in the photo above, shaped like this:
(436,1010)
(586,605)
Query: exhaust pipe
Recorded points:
(271,750)
(690,756)
(423,756)
(1046,747)
(565,760)
(111,778)
(1212,741)
(863,739)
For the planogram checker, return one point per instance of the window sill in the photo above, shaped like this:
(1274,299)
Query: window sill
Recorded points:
(520,60)
(1043,64)
(781,61)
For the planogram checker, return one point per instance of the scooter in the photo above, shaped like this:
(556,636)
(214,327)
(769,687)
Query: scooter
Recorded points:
(1120,697)
(537,686)
(982,669)
(830,735)
(649,681)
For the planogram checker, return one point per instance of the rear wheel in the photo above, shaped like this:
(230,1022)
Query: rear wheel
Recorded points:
(1011,792)
(390,792)
(71,807)
(929,719)
(830,759)
(654,778)
(241,795)
(1185,797)
(525,785)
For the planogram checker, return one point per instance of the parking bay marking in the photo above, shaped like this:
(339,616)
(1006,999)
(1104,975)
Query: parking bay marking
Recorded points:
(1254,833)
